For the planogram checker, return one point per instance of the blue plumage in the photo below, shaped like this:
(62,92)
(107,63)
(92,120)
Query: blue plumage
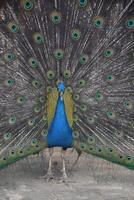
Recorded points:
(60,133)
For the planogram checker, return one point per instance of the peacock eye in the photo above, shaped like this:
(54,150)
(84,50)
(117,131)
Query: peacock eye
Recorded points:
(44,132)
(34,142)
(31,122)
(12,120)
(75,34)
(76,134)
(21,100)
(58,54)
(27,5)
(69,89)
(81,83)
(110,78)
(33,62)
(76,97)
(9,82)
(90,120)
(44,118)
(83,3)
(91,140)
(110,150)
(9,57)
(127,104)
(12,153)
(99,22)
(56,17)
(84,59)
(41,99)
(98,96)
(38,38)
(67,74)
(99,150)
(119,134)
(36,84)
(130,23)
(108,53)
(13,27)
(110,115)
(83,107)
(7,136)
(75,117)
(128,159)
(4,159)
(50,75)
(49,89)
(37,109)
(82,146)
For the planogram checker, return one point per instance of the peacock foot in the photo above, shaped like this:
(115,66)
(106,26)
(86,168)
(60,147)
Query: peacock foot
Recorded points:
(65,179)
(49,176)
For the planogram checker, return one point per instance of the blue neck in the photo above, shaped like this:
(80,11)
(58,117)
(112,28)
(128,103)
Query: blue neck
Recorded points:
(60,133)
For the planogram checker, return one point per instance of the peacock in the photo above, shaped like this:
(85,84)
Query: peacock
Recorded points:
(67,79)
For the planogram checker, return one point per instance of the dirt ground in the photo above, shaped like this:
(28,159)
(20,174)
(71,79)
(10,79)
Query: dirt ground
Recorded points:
(91,179)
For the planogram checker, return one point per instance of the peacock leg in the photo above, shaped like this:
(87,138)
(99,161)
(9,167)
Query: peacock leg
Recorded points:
(65,177)
(49,174)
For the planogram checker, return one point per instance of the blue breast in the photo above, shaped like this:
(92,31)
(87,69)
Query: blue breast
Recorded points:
(60,133)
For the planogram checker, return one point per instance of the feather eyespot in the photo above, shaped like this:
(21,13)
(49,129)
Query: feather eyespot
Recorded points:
(76,134)
(44,133)
(56,17)
(67,74)
(75,34)
(58,54)
(81,83)
(31,122)
(128,105)
(83,59)
(75,117)
(8,57)
(33,62)
(12,120)
(108,53)
(83,107)
(50,75)
(69,89)
(27,4)
(13,27)
(110,78)
(83,146)
(111,115)
(91,120)
(99,22)
(76,97)
(41,99)
(7,136)
(34,142)
(83,3)
(38,38)
(91,140)
(37,109)
(9,82)
(130,23)
(36,84)
(98,96)
(49,89)
(21,100)
(44,118)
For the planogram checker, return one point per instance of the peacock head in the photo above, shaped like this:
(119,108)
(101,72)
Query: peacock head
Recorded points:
(61,87)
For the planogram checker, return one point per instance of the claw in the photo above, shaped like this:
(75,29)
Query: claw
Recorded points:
(49,176)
